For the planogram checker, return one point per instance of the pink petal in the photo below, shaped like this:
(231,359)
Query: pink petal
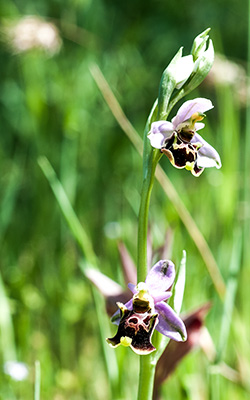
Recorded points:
(160,277)
(170,324)
(207,156)
(164,127)
(162,296)
(160,131)
(132,287)
(199,125)
(189,108)
(156,140)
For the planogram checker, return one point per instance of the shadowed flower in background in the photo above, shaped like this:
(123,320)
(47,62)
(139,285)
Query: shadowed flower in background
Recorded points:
(33,32)
(227,73)
(197,336)
(148,310)
(179,140)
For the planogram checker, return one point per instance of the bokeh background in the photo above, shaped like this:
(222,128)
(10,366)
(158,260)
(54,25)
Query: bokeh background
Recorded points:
(51,106)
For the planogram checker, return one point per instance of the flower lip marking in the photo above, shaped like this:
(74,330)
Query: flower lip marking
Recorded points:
(135,330)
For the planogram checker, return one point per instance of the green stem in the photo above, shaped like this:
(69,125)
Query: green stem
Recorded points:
(146,379)
(150,159)
(147,363)
(147,185)
(37,380)
(246,190)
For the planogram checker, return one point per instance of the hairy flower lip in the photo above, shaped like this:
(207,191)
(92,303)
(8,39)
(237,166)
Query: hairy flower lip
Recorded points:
(137,328)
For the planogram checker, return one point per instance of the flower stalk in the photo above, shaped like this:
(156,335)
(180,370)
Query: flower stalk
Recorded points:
(147,375)
(152,159)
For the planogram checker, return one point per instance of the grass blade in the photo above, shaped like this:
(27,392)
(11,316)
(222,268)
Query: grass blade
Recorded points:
(9,199)
(6,328)
(232,284)
(180,284)
(90,260)
(69,214)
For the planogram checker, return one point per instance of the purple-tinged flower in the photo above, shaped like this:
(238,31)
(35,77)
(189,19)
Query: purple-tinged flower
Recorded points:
(148,310)
(179,140)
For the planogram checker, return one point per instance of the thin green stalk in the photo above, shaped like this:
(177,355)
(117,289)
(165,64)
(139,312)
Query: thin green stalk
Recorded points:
(147,186)
(104,331)
(232,285)
(9,198)
(68,212)
(7,337)
(147,375)
(150,160)
(37,380)
(246,192)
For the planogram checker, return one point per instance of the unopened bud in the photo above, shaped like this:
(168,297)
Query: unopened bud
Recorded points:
(199,44)
(174,77)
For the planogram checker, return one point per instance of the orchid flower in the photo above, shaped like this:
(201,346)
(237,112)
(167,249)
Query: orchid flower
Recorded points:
(179,140)
(147,310)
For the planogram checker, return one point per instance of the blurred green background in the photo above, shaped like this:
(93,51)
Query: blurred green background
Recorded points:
(51,106)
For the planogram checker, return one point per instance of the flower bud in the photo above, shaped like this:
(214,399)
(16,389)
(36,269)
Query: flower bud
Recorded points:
(202,66)
(203,61)
(199,44)
(181,70)
(174,77)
